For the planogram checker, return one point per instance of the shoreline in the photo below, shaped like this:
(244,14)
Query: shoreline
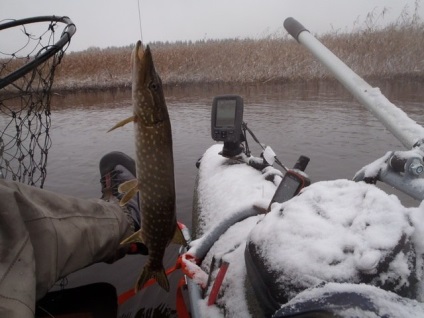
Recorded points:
(375,81)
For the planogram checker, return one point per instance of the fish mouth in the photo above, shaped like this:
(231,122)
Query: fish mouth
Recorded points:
(137,54)
(143,60)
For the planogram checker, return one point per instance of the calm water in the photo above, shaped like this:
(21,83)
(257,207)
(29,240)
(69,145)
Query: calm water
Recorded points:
(318,120)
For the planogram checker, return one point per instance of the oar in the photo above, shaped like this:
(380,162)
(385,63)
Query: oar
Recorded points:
(406,130)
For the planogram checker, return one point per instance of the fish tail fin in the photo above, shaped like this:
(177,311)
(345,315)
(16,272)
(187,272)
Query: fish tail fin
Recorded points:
(159,275)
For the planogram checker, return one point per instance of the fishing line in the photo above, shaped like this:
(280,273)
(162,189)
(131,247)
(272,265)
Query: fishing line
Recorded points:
(139,20)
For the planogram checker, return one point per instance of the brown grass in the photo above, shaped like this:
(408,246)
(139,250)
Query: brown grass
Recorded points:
(394,51)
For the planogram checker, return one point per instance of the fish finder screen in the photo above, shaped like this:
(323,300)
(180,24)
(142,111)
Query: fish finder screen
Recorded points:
(225,113)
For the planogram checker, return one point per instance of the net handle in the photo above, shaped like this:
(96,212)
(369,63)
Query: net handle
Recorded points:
(53,49)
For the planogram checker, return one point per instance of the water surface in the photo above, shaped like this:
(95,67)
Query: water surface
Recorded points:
(319,120)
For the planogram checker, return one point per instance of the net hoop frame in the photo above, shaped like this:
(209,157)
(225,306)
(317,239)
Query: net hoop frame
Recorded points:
(66,36)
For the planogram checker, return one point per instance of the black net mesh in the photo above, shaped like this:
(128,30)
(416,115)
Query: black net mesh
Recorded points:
(27,67)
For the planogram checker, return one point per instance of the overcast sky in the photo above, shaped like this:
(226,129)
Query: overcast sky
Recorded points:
(103,23)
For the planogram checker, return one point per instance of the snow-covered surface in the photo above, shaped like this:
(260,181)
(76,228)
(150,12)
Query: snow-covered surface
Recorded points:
(334,232)
(389,304)
(226,188)
(408,181)
(393,118)
(373,169)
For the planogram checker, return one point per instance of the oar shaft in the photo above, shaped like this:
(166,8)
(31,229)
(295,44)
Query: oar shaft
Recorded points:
(407,131)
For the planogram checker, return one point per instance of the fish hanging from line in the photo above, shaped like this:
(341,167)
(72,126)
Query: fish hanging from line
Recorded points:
(155,168)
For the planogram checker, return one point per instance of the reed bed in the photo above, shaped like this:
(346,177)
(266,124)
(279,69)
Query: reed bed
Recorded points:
(393,52)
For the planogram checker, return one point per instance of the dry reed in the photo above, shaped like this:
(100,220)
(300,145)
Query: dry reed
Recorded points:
(394,51)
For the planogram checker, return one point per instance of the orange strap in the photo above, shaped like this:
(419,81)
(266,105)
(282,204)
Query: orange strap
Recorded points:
(122,298)
(218,282)
(182,311)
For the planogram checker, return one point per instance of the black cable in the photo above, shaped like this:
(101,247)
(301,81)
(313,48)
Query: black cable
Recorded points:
(244,126)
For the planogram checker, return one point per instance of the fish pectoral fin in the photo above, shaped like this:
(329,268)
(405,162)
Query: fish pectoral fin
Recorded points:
(127,196)
(127,185)
(178,237)
(159,275)
(122,123)
(133,238)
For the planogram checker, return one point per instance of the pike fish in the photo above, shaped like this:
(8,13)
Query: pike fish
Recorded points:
(155,167)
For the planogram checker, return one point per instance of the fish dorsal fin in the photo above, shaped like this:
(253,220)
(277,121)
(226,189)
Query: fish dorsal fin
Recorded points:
(122,123)
(128,196)
(178,237)
(127,185)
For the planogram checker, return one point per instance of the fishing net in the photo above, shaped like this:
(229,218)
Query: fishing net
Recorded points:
(30,51)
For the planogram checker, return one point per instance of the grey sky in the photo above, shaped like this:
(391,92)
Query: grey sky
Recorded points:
(103,23)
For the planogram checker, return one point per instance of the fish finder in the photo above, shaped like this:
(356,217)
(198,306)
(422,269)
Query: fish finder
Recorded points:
(226,123)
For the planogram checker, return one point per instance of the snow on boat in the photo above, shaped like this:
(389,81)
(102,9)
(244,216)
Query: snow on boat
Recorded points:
(338,246)
(267,243)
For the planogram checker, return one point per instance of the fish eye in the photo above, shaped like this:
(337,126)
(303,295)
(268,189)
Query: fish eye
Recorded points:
(154,86)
